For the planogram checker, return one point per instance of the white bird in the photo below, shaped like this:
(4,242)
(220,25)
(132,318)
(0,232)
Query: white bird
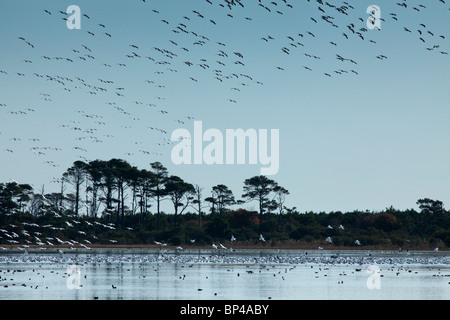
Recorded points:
(192,241)
(59,240)
(214,246)
(233,238)
(357,242)
(222,246)
(6,234)
(179,248)
(328,239)
(329,227)
(341,227)
(436,249)
(261,238)
(319,248)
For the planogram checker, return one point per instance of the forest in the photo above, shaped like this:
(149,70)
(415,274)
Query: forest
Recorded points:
(113,203)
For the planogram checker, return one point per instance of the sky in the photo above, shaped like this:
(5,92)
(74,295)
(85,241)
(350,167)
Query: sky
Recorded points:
(363,117)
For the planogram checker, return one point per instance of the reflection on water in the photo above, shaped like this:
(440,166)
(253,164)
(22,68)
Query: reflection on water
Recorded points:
(242,276)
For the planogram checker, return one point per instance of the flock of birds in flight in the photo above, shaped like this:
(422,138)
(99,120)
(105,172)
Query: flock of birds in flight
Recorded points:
(221,64)
(33,234)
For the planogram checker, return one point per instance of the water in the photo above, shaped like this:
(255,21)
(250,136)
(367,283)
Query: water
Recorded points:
(223,275)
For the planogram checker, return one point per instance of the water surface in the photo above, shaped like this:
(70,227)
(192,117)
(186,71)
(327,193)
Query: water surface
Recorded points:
(223,275)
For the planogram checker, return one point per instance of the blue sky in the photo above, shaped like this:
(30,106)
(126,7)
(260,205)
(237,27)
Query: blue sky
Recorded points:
(347,141)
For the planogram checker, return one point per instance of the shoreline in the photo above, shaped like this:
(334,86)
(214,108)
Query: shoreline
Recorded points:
(205,248)
(203,255)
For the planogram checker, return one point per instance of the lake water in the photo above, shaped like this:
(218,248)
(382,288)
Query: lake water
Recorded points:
(223,275)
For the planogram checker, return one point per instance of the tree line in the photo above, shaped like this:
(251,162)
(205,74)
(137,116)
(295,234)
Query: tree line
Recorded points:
(128,200)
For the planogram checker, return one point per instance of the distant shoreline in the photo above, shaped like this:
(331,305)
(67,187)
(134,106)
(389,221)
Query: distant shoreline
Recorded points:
(240,247)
